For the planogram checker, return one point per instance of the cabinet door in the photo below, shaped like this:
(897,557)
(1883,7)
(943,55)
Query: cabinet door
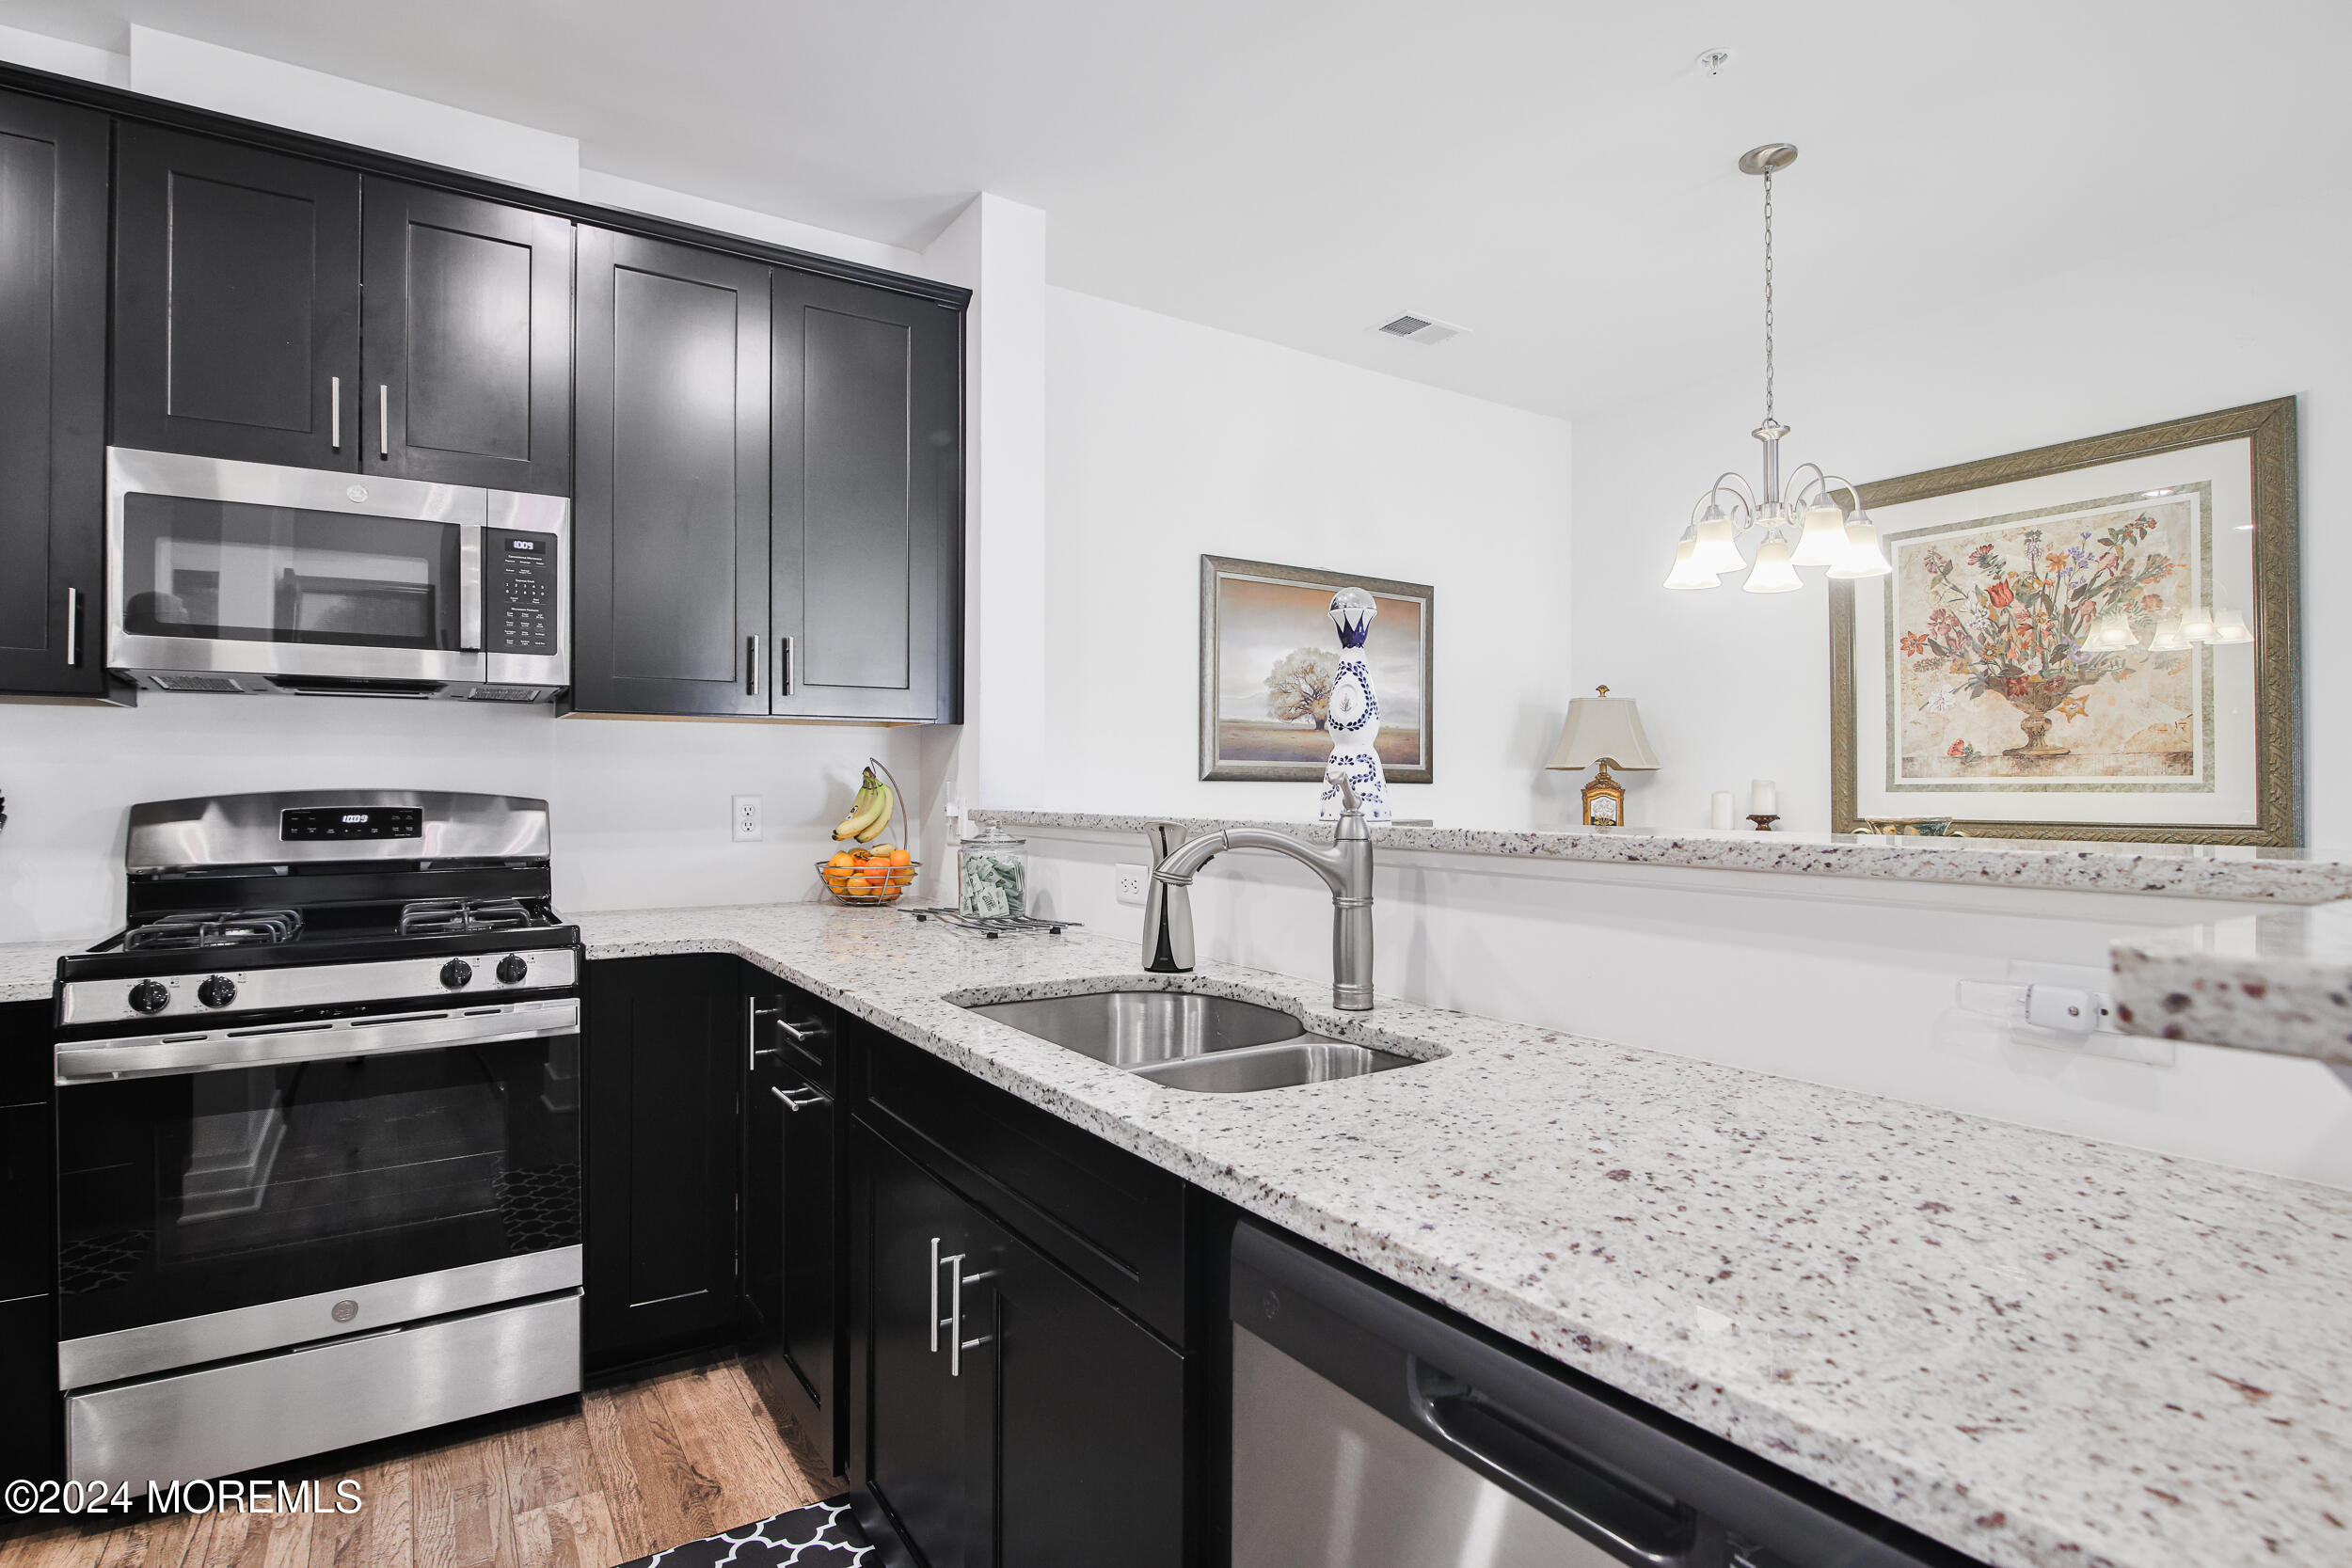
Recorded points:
(236,324)
(868,502)
(53,398)
(466,341)
(794,1224)
(671,552)
(930,1424)
(664,1074)
(1090,1414)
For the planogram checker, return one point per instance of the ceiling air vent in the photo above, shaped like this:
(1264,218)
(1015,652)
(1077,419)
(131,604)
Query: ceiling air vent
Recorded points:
(1422,329)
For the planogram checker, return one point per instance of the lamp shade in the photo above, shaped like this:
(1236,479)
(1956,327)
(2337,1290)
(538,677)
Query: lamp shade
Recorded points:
(1603,726)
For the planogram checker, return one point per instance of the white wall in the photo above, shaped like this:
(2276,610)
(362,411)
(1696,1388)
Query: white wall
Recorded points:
(639,808)
(1735,686)
(1166,440)
(1833,980)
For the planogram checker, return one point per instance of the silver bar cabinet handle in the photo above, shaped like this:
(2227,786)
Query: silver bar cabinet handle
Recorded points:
(335,412)
(73,628)
(752,1013)
(805,1033)
(383,419)
(957,1343)
(753,664)
(935,1261)
(789,1104)
(784,686)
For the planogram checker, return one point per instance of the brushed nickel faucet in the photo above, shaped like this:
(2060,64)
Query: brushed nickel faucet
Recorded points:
(1346,867)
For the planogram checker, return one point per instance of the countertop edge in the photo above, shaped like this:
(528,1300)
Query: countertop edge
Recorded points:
(2161,870)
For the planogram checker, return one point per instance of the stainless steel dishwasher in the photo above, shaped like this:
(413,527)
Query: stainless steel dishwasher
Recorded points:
(1371,1429)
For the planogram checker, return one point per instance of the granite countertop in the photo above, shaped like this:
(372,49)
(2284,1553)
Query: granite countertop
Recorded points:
(28,970)
(2039,1349)
(2179,870)
(2280,982)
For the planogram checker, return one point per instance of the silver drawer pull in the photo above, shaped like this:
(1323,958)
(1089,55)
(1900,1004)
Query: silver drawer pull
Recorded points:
(383,419)
(335,412)
(936,1320)
(957,1343)
(805,1033)
(789,1104)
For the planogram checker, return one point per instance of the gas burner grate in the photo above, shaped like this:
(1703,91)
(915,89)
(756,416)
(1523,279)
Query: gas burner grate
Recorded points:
(214,928)
(442,917)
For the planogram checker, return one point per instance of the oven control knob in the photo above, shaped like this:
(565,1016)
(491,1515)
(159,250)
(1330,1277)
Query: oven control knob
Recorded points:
(513,970)
(217,991)
(456,973)
(148,996)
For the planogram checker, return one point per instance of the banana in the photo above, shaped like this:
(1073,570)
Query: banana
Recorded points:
(882,818)
(869,811)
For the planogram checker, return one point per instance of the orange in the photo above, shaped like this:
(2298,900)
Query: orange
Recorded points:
(899,857)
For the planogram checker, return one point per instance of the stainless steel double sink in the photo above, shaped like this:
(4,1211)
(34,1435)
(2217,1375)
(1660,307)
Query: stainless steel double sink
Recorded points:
(1184,1040)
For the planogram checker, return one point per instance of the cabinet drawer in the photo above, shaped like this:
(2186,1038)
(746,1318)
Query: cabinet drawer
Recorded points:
(24,1053)
(789,1027)
(1116,1222)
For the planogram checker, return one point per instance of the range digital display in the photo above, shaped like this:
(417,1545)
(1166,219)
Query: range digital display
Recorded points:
(332,822)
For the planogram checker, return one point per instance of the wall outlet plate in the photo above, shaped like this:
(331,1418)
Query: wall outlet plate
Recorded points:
(1130,882)
(745,818)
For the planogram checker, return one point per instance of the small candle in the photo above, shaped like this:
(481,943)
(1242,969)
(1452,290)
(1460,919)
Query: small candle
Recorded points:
(1763,798)
(1719,812)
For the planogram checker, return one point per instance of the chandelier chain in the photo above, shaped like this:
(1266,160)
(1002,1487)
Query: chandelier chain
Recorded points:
(1768,296)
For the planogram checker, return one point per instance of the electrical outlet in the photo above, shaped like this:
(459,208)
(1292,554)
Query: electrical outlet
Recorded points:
(746,818)
(1130,882)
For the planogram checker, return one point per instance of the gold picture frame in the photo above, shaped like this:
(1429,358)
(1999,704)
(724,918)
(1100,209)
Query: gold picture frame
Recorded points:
(2273,748)
(1255,605)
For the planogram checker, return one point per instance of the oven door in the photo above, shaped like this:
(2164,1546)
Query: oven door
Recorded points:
(292,574)
(228,1192)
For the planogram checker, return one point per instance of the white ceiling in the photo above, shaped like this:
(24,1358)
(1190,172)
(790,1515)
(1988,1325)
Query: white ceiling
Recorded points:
(1555,176)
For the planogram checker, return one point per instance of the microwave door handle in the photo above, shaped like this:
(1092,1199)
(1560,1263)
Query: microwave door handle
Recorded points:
(470,588)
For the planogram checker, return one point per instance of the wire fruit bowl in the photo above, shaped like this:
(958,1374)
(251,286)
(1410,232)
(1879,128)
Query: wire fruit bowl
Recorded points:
(871,883)
(868,886)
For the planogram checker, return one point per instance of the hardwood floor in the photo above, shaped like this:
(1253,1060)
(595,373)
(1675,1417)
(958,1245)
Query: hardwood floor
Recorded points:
(634,1467)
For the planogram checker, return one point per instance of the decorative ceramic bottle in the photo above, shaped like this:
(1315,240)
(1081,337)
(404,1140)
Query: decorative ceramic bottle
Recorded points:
(1355,713)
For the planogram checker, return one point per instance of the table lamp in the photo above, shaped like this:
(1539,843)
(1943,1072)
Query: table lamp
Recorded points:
(1603,732)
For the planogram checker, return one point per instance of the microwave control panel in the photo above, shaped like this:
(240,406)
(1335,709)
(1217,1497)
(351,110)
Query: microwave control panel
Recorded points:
(523,574)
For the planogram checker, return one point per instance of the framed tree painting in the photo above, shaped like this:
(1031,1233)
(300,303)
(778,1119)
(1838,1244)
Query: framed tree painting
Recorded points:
(2091,641)
(1269,654)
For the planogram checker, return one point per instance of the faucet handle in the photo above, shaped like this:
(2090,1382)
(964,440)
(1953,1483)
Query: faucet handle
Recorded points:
(1165,838)
(1348,804)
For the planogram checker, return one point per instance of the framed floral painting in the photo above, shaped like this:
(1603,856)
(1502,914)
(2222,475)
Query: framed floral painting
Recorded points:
(2095,640)
(1268,657)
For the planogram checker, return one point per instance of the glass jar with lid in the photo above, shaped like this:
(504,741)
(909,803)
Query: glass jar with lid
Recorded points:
(992,874)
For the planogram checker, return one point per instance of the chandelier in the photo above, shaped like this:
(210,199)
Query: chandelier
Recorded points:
(1806,506)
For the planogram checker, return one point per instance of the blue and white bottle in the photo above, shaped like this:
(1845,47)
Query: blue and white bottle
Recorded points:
(1354,714)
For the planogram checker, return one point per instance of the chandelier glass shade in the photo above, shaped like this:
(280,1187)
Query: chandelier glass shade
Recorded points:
(1801,522)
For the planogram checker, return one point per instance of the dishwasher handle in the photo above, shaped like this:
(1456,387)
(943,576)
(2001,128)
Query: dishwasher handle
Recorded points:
(1520,1456)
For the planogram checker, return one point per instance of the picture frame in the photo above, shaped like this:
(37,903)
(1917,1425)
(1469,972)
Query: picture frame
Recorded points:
(2006,715)
(1255,613)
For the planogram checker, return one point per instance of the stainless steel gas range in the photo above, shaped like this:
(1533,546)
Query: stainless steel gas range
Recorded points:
(318,1133)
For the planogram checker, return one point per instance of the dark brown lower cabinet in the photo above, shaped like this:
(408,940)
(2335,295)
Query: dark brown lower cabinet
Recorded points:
(1016,1416)
(794,1188)
(664,1072)
(28,1341)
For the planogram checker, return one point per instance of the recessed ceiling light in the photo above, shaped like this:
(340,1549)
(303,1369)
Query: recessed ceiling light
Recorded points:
(1426,330)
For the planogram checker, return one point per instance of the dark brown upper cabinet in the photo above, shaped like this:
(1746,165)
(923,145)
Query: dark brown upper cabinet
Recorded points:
(868,492)
(53,397)
(236,302)
(466,341)
(241,332)
(671,537)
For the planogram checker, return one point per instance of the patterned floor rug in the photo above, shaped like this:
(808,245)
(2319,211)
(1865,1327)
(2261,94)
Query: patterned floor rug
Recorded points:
(822,1535)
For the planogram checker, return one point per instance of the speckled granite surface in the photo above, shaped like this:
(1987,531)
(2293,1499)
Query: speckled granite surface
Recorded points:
(2041,1350)
(2278,982)
(2188,871)
(30,969)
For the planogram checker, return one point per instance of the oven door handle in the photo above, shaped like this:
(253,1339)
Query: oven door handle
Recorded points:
(269,1045)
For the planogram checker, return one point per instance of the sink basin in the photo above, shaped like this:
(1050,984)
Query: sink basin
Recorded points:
(1183,1041)
(1132,1028)
(1312,1060)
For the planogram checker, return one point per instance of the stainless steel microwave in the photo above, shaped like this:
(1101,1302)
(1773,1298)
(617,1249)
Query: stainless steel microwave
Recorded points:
(248,577)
